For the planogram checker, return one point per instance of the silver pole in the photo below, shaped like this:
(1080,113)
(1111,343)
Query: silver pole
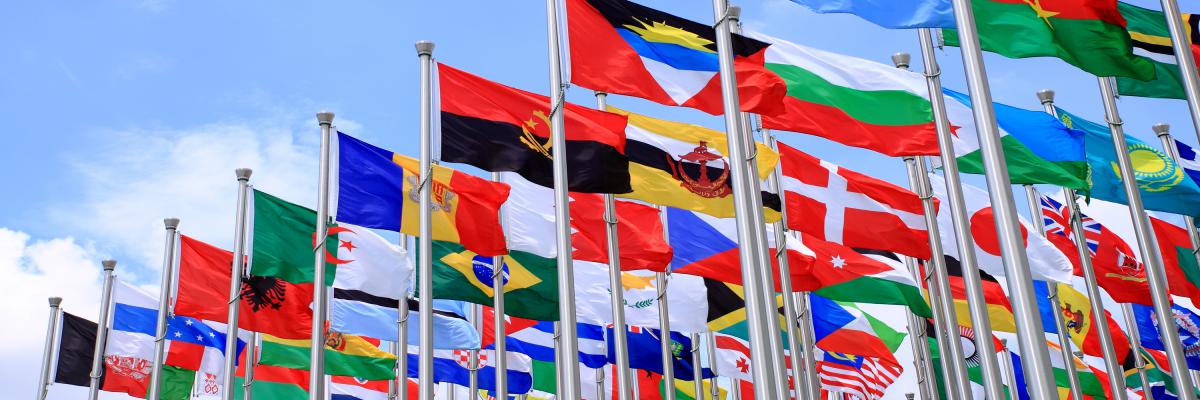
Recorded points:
(394,384)
(235,281)
(946,320)
(920,346)
(807,339)
(425,234)
(558,378)
(1135,344)
(617,296)
(164,298)
(801,359)
(1180,41)
(102,329)
(251,364)
(746,199)
(501,360)
(1108,350)
(600,383)
(714,390)
(1163,131)
(697,369)
(48,352)
(1155,273)
(666,345)
(473,354)
(1064,339)
(402,338)
(316,371)
(562,215)
(1008,228)
(1010,374)
(736,389)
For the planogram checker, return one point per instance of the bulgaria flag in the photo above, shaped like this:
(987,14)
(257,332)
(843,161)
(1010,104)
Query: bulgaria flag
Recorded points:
(851,101)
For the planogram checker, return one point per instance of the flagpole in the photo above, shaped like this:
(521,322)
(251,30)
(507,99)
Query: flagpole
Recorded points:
(711,344)
(316,371)
(746,200)
(1108,350)
(235,281)
(697,369)
(562,214)
(402,337)
(251,362)
(1163,131)
(1135,344)
(473,354)
(1181,43)
(498,321)
(666,345)
(805,382)
(972,283)
(1155,273)
(807,341)
(616,289)
(1010,370)
(102,329)
(1008,229)
(48,352)
(425,234)
(164,298)
(918,335)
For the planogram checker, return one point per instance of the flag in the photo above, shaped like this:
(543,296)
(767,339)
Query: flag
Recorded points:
(351,388)
(845,330)
(1188,160)
(271,382)
(865,377)
(282,245)
(645,352)
(890,14)
(851,101)
(499,128)
(1038,148)
(530,283)
(452,366)
(1118,271)
(378,189)
(511,325)
(726,308)
(1152,40)
(892,286)
(685,296)
(362,314)
(537,342)
(1076,312)
(707,246)
(1183,272)
(835,204)
(76,351)
(1046,262)
(1090,35)
(1187,324)
(268,304)
(639,233)
(621,47)
(685,166)
(1000,312)
(733,357)
(1160,179)
(345,355)
(370,284)
(1089,383)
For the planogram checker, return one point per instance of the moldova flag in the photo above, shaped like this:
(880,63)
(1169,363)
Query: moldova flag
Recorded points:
(622,47)
(501,129)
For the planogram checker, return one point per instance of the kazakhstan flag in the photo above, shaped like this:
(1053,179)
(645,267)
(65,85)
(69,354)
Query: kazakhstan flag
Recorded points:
(1163,183)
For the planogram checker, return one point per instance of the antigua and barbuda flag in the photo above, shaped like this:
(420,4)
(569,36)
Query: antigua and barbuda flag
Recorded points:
(622,47)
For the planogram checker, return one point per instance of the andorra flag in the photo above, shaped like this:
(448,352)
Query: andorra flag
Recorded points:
(378,189)
(622,47)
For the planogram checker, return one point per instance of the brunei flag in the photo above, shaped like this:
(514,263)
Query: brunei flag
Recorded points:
(501,129)
(685,166)
(378,189)
(622,47)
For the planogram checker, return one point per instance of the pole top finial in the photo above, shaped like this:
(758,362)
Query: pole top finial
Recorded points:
(55,301)
(734,12)
(910,396)
(324,117)
(109,265)
(1046,96)
(1004,342)
(424,48)
(171,223)
(1161,129)
(243,174)
(901,59)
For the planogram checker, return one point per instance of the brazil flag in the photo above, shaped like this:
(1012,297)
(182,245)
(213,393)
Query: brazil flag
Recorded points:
(530,288)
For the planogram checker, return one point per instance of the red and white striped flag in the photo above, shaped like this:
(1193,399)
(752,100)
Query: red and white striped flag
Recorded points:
(864,377)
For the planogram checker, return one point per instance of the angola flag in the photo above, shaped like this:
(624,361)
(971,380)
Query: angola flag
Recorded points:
(622,47)
(501,129)
(1152,40)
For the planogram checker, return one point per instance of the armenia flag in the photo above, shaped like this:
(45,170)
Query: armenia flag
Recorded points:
(622,47)
(378,189)
(501,129)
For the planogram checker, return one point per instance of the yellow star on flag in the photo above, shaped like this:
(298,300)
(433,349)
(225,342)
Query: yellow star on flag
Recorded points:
(1041,12)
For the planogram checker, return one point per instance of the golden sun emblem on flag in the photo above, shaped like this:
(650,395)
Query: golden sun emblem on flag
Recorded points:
(661,32)
(534,142)
(1152,169)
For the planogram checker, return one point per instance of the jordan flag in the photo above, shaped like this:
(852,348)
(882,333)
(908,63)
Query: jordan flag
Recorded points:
(1046,262)
(838,205)
(501,129)
(622,47)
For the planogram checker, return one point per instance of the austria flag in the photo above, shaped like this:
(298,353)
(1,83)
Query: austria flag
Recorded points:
(622,47)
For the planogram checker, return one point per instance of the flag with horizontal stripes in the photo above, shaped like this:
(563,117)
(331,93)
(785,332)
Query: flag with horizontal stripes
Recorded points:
(345,355)
(865,377)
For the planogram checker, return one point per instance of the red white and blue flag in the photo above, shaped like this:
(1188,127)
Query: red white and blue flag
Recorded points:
(842,330)
(865,378)
(1117,268)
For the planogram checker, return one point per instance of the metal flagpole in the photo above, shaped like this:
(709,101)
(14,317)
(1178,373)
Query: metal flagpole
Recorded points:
(1155,273)
(666,345)
(1108,350)
(558,378)
(402,338)
(562,215)
(102,329)
(1064,338)
(473,354)
(235,281)
(1039,378)
(736,389)
(746,198)
(1135,344)
(316,373)
(164,297)
(425,233)
(972,283)
(711,343)
(616,289)
(499,278)
(251,362)
(1010,373)
(807,342)
(1164,134)
(697,369)
(394,384)
(48,352)
(798,363)
(1180,41)
(918,335)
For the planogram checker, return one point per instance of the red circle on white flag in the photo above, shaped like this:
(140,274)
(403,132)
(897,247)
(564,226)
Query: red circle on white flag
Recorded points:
(983,230)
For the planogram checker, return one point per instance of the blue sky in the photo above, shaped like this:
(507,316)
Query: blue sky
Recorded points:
(122,112)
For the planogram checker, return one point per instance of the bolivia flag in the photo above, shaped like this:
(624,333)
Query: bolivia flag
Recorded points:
(1087,34)
(378,189)
(621,47)
(345,355)
(501,129)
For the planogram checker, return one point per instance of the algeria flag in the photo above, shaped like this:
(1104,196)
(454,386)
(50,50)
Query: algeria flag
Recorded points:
(1046,262)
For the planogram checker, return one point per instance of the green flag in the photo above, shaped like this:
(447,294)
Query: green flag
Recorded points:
(283,240)
(530,289)
(1152,39)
